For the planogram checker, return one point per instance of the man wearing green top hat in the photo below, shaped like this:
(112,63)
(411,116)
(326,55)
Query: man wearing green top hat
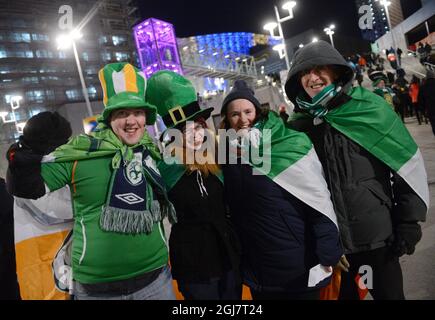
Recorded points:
(203,246)
(379,81)
(119,249)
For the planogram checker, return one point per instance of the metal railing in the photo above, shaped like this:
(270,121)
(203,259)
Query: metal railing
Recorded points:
(214,62)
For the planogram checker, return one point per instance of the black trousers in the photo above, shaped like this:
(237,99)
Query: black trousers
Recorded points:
(305,295)
(387,280)
(227,287)
(432,122)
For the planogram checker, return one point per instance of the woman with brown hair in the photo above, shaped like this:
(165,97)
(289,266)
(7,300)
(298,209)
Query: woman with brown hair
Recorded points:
(202,245)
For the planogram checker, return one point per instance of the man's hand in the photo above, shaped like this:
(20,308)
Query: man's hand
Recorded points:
(406,237)
(343,264)
(23,178)
(20,156)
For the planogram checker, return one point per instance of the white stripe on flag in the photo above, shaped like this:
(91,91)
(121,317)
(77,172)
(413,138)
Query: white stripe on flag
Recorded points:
(119,81)
(305,180)
(414,173)
(55,204)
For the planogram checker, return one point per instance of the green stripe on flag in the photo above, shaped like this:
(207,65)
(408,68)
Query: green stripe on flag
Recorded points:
(282,148)
(293,164)
(369,121)
(109,82)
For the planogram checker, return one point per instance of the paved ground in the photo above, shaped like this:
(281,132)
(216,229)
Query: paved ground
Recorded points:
(419,269)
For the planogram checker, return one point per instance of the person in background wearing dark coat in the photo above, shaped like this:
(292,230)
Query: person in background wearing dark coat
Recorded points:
(284,239)
(378,218)
(426,98)
(399,56)
(203,247)
(9,289)
(402,91)
(428,51)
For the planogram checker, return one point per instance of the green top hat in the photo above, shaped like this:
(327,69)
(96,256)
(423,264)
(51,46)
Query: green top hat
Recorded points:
(175,98)
(124,87)
(376,77)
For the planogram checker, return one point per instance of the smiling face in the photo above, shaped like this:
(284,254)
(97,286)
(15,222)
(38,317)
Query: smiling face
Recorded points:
(241,114)
(315,80)
(128,125)
(193,135)
(381,84)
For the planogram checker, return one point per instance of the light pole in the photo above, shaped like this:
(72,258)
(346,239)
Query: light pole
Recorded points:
(281,48)
(330,31)
(386,3)
(64,42)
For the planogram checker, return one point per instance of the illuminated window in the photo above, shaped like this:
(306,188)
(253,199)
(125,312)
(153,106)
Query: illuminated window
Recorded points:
(119,40)
(19,37)
(92,92)
(121,56)
(106,56)
(73,94)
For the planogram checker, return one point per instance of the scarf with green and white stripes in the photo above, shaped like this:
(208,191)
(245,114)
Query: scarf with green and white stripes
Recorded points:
(317,106)
(137,197)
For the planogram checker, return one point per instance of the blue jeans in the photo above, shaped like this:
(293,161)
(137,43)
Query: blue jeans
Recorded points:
(159,289)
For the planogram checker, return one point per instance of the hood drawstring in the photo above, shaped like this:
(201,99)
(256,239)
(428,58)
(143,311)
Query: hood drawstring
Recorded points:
(201,183)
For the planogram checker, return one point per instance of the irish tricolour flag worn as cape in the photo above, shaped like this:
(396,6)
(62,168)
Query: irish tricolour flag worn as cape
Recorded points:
(369,121)
(289,159)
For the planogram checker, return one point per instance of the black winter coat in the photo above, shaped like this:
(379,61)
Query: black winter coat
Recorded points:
(426,97)
(361,189)
(360,184)
(202,243)
(8,276)
(281,237)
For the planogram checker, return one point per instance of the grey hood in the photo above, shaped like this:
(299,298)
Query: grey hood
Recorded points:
(315,54)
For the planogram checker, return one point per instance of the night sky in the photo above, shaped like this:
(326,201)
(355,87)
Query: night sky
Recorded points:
(204,17)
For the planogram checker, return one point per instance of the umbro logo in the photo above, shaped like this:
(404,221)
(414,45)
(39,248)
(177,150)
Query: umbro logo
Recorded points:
(129,198)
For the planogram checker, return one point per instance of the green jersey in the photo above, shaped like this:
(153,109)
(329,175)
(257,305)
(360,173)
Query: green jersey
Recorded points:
(101,256)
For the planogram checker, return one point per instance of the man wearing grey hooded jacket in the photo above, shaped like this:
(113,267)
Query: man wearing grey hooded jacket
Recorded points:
(378,206)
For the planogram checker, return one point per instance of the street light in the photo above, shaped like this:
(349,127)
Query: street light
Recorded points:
(315,39)
(282,49)
(386,3)
(301,45)
(64,42)
(330,31)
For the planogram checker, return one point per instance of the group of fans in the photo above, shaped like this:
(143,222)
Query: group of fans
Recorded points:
(407,98)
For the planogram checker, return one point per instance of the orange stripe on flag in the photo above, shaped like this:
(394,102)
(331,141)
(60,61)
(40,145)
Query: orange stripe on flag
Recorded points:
(72,176)
(130,78)
(34,257)
(103,85)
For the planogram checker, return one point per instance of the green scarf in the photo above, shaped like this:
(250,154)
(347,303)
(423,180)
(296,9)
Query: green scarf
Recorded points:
(103,143)
(317,106)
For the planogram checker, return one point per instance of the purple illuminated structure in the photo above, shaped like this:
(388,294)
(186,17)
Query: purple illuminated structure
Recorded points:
(157,46)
